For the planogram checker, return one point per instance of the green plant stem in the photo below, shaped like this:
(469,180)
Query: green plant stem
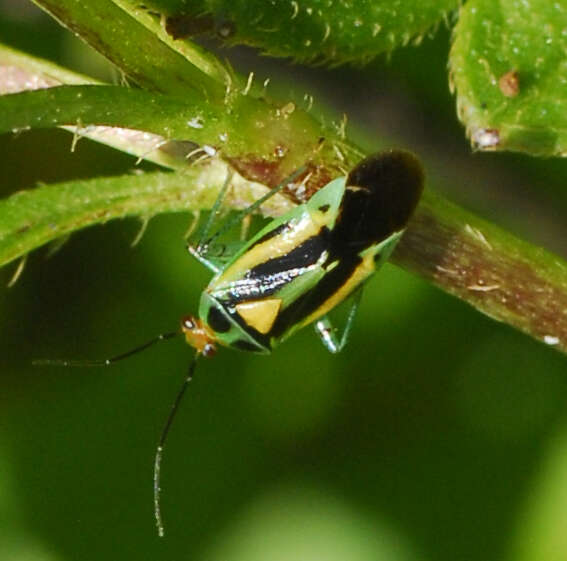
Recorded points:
(35,217)
(132,47)
(264,142)
(197,55)
(20,72)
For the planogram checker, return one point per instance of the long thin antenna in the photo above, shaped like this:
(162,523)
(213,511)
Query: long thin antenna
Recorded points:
(161,444)
(106,361)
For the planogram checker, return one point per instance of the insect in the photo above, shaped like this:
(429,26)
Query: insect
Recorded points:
(296,269)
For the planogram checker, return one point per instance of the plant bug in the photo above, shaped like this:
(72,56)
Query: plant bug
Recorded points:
(296,269)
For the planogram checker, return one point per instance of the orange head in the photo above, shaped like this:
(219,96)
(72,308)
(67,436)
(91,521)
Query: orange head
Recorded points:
(199,336)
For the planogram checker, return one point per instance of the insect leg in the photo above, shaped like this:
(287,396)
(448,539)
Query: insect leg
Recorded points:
(203,241)
(328,333)
(199,255)
(201,249)
(245,226)
(214,255)
(237,217)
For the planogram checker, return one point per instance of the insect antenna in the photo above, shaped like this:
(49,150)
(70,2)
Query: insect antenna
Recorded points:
(161,443)
(107,361)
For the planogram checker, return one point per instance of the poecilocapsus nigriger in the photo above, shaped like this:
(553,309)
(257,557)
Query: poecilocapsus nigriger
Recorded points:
(296,269)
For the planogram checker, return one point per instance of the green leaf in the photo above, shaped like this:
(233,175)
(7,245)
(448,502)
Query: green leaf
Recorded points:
(328,31)
(509,68)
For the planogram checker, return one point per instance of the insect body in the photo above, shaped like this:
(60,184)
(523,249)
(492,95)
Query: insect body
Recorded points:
(296,269)
(301,265)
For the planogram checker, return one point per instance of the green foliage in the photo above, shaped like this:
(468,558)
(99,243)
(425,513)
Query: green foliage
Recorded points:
(321,31)
(430,437)
(509,68)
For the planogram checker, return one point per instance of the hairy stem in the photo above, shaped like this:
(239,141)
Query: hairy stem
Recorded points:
(500,275)
(35,217)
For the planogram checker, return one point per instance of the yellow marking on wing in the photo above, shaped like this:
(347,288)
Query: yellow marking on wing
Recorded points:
(308,225)
(260,314)
(359,275)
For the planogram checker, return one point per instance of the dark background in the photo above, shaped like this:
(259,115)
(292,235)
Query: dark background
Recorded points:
(437,434)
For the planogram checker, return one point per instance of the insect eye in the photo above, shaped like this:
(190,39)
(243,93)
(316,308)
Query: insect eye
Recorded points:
(188,323)
(209,350)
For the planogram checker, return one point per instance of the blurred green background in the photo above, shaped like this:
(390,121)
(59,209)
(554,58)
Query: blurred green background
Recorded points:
(437,434)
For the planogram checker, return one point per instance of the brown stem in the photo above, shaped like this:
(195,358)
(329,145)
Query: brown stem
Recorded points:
(500,275)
